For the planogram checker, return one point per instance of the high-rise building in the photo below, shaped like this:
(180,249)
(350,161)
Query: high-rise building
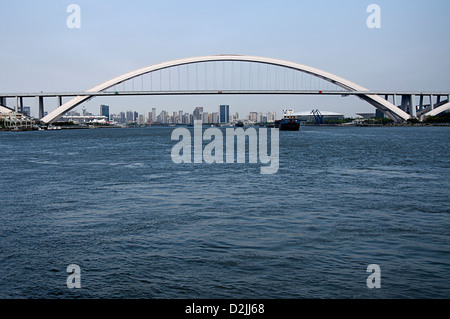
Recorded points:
(174,117)
(129,117)
(205,117)
(215,117)
(185,119)
(141,119)
(163,117)
(224,113)
(104,111)
(379,113)
(198,113)
(27,111)
(153,115)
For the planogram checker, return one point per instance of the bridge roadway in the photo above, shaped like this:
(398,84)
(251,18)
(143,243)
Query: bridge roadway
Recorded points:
(442,98)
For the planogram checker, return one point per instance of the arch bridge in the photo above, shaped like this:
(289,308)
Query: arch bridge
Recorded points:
(239,74)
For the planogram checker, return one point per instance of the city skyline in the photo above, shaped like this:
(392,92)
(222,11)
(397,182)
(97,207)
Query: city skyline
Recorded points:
(166,117)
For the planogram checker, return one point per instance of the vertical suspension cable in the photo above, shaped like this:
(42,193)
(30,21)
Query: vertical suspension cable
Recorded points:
(169,69)
(214,75)
(258,76)
(223,75)
(240,76)
(294,80)
(196,76)
(250,82)
(187,77)
(276,78)
(232,75)
(302,81)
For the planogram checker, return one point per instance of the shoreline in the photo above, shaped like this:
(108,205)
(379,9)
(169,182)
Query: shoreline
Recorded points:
(168,126)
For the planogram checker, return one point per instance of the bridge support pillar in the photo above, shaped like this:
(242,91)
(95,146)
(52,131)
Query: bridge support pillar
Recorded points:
(2,101)
(431,103)
(412,106)
(59,100)
(40,105)
(421,103)
(404,103)
(409,104)
(19,104)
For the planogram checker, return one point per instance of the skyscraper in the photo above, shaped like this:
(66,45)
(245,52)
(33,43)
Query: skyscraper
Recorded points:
(27,111)
(104,111)
(198,113)
(224,111)
(130,116)
(153,114)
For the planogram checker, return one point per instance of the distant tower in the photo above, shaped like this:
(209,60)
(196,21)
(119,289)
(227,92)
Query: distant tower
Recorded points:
(379,113)
(27,111)
(153,115)
(224,113)
(198,113)
(104,111)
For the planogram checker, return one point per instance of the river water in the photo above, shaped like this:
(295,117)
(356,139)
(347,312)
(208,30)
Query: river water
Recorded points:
(138,225)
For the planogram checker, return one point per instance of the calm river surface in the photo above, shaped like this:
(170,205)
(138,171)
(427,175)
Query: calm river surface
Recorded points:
(140,226)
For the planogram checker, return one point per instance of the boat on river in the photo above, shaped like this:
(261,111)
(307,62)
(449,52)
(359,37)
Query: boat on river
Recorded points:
(289,122)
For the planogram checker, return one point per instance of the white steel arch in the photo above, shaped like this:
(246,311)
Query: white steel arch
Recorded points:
(391,110)
(438,110)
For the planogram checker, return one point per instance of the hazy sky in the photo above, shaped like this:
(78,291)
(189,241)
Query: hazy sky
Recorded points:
(39,52)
